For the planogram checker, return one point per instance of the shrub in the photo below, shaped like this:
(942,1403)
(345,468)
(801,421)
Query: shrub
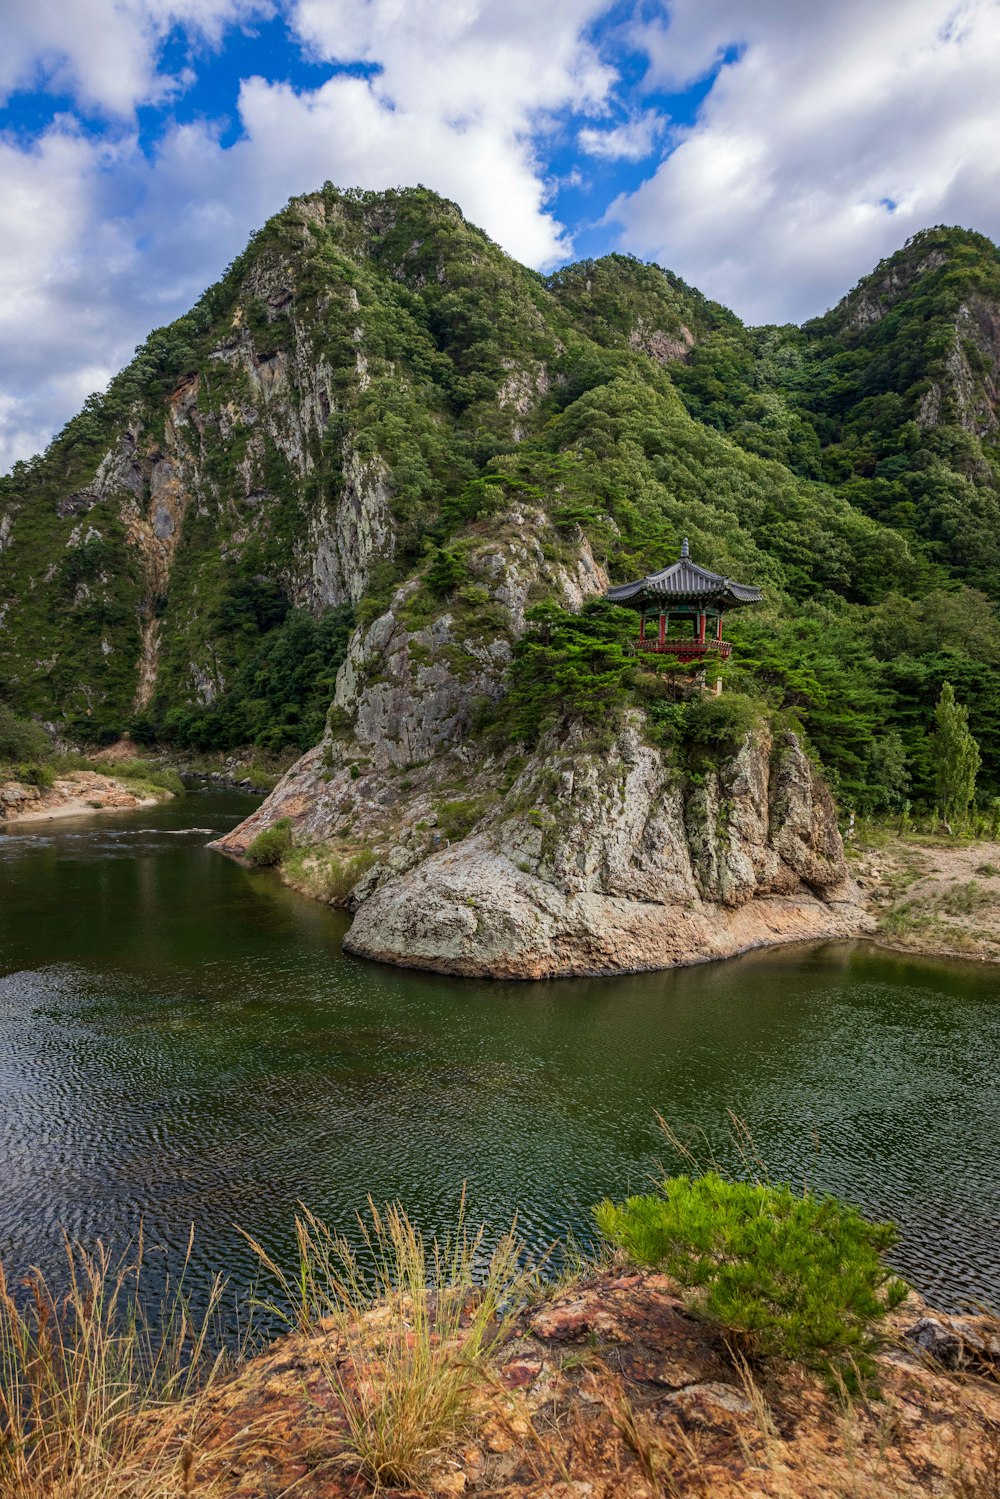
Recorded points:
(341,875)
(966,900)
(270,846)
(42,776)
(339,723)
(151,775)
(723,721)
(799,1276)
(446,571)
(456,819)
(20,739)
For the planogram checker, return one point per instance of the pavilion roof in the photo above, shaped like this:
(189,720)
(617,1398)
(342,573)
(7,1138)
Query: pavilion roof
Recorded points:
(685,582)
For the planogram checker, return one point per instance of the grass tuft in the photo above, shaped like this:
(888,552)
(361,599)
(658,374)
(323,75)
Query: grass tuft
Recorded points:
(416,1323)
(83,1372)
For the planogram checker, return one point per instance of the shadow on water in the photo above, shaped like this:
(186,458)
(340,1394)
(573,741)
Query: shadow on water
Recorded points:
(183,1040)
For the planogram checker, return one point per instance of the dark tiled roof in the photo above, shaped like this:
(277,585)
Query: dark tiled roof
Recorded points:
(685,582)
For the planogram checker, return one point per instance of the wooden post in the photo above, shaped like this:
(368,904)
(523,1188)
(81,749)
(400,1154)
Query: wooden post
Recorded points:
(718,627)
(701,629)
(642,629)
(663,629)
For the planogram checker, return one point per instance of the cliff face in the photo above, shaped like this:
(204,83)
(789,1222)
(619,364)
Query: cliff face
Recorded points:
(611,1379)
(286,446)
(590,856)
(607,860)
(940,294)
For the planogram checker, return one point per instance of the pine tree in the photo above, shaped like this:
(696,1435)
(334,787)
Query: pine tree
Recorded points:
(956,757)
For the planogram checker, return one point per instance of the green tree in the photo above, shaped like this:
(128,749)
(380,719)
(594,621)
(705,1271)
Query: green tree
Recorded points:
(566,663)
(445,572)
(798,1276)
(956,757)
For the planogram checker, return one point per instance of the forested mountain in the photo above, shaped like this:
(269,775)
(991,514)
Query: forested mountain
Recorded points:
(375,400)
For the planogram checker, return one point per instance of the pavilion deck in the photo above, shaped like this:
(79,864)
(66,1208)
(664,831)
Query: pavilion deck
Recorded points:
(686,650)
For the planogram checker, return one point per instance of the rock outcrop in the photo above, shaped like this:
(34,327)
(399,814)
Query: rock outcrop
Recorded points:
(78,794)
(608,860)
(611,1380)
(597,853)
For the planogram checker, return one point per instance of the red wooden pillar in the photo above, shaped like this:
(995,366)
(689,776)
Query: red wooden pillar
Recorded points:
(663,630)
(642,629)
(718,627)
(701,629)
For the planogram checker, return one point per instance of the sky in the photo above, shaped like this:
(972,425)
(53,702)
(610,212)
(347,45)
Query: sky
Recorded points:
(768,151)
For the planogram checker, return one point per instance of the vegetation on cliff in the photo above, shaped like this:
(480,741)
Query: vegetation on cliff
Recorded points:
(373,384)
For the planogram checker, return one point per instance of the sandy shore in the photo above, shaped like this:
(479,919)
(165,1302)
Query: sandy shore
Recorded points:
(936,896)
(82,793)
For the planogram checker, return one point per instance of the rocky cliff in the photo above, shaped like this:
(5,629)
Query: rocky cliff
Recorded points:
(606,861)
(594,856)
(317,512)
(611,1380)
(600,851)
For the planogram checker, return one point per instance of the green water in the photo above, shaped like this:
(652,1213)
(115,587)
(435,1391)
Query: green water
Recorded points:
(183,1041)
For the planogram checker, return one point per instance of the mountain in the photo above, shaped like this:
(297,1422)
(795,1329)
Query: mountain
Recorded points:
(378,441)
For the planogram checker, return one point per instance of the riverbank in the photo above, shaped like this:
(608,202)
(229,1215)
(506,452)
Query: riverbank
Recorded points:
(933,896)
(609,1387)
(79,793)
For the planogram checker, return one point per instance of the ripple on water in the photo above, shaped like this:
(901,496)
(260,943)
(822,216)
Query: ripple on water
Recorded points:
(183,1041)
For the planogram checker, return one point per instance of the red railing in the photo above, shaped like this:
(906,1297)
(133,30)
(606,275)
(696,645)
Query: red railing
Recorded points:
(686,650)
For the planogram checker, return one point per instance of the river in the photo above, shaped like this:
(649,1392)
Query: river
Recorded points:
(183,1041)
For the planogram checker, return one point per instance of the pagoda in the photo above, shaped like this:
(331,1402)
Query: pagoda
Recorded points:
(681,608)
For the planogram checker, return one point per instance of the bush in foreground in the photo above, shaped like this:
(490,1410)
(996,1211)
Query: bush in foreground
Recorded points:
(798,1276)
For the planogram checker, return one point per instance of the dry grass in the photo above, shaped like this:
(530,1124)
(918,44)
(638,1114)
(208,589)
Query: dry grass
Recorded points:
(81,1375)
(416,1324)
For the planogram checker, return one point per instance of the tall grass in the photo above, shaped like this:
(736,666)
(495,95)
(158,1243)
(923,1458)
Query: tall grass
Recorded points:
(415,1324)
(84,1371)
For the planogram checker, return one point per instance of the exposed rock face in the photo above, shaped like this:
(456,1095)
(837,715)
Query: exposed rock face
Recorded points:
(605,862)
(410,691)
(661,346)
(586,859)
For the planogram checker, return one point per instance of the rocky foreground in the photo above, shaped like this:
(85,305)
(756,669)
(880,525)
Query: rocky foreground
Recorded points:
(612,1388)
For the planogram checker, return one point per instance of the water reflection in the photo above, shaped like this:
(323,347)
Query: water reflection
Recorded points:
(181,1039)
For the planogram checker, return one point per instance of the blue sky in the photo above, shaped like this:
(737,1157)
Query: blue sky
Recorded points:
(769,151)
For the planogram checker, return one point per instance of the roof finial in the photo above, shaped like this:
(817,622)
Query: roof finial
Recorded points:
(685,550)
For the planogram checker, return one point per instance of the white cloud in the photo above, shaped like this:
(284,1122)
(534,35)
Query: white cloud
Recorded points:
(98,244)
(103,53)
(632,141)
(775,200)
